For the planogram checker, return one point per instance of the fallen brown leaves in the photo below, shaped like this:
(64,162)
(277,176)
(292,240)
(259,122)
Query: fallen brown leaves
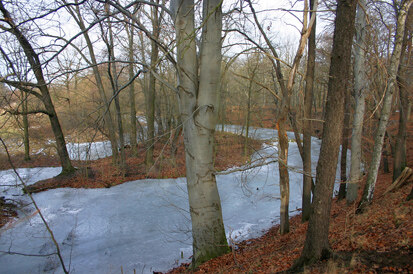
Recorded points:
(378,241)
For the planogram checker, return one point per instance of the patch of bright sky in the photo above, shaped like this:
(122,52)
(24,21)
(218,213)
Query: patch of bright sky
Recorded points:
(282,22)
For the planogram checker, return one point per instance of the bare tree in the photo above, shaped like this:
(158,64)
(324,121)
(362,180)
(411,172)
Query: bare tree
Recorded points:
(316,244)
(284,113)
(308,101)
(403,84)
(386,109)
(44,94)
(360,86)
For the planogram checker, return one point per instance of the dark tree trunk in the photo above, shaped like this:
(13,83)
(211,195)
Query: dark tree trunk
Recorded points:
(308,101)
(26,139)
(344,146)
(150,99)
(132,103)
(316,244)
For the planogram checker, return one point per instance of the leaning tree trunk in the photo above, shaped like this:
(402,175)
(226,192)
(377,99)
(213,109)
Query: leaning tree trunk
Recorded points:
(199,108)
(386,109)
(360,85)
(316,244)
(399,162)
(308,100)
(36,67)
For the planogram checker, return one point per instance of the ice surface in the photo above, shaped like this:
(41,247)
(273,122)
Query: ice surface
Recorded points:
(89,151)
(142,225)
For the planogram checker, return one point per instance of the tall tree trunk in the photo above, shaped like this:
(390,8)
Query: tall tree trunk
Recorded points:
(26,139)
(36,68)
(198,106)
(284,109)
(247,118)
(284,176)
(344,146)
(386,109)
(316,244)
(399,162)
(113,75)
(307,127)
(360,85)
(150,95)
(132,103)
(107,117)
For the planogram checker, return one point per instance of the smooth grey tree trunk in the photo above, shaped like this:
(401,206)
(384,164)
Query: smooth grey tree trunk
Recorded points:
(386,109)
(360,89)
(199,108)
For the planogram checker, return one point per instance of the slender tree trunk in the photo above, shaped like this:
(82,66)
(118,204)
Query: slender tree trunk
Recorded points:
(386,109)
(113,75)
(344,146)
(316,244)
(107,117)
(399,162)
(132,103)
(247,119)
(360,85)
(26,139)
(198,106)
(150,95)
(284,176)
(307,125)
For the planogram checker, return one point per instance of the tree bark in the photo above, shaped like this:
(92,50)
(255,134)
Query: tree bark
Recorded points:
(26,139)
(360,85)
(132,103)
(386,109)
(113,75)
(308,101)
(399,162)
(344,146)
(198,106)
(316,244)
(150,95)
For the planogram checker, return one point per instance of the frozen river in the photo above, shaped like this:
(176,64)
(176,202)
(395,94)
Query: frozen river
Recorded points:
(142,225)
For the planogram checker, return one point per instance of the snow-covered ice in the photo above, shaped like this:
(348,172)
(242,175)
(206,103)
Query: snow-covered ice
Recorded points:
(142,225)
